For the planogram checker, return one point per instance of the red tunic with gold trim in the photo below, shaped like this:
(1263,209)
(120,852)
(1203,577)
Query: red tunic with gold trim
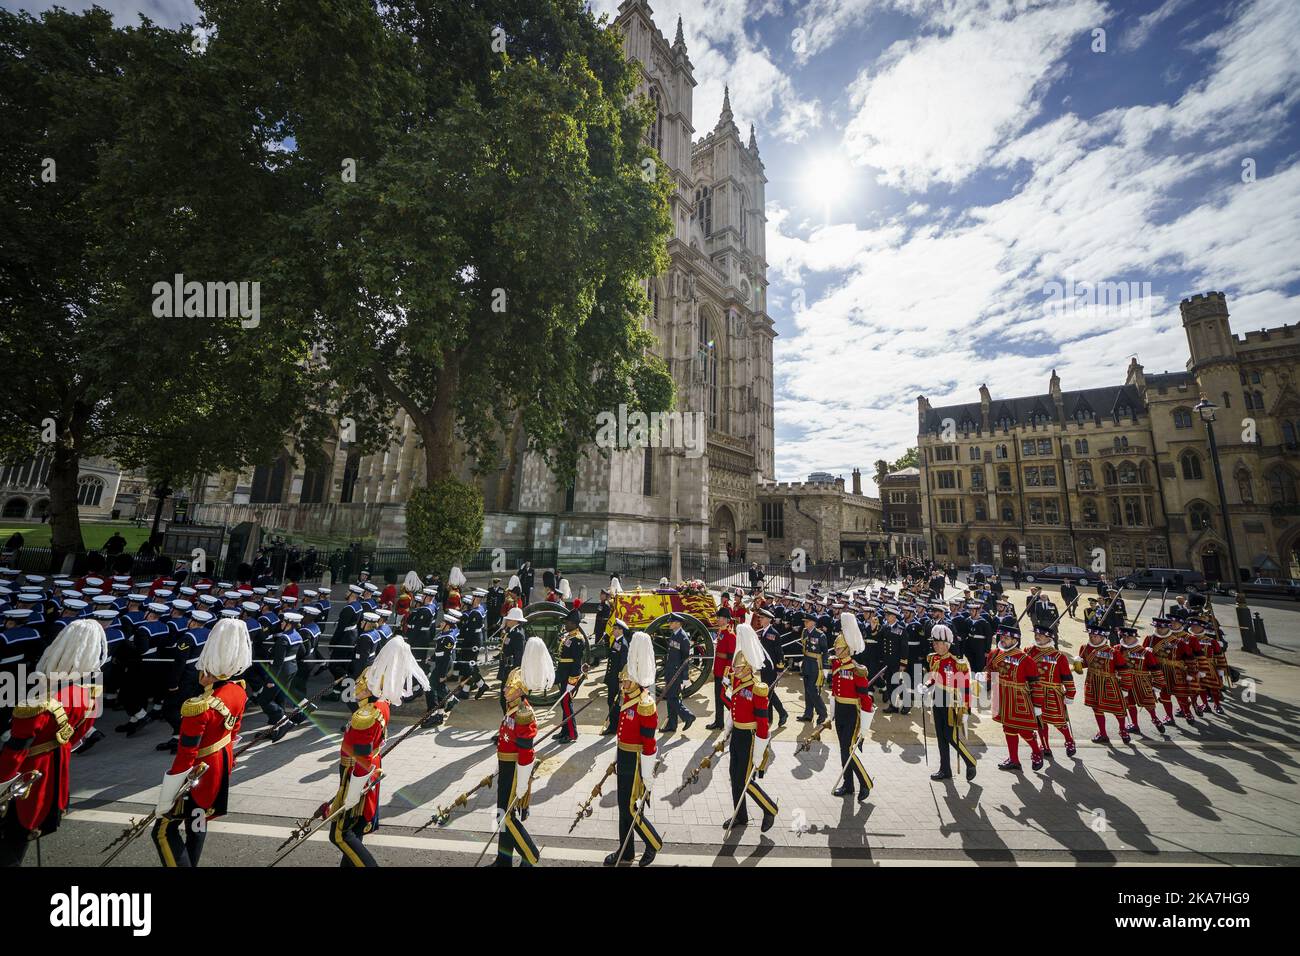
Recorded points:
(638,721)
(1208,661)
(749,706)
(1014,671)
(952,679)
(849,685)
(41,737)
(517,733)
(1102,690)
(209,724)
(1187,652)
(1054,686)
(1143,674)
(724,649)
(359,754)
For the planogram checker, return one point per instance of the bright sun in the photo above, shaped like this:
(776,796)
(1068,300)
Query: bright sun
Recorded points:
(827,179)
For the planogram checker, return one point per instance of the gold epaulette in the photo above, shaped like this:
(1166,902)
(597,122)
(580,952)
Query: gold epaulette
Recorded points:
(524,714)
(364,717)
(859,670)
(760,689)
(29,710)
(196,706)
(963,665)
(51,706)
(646,705)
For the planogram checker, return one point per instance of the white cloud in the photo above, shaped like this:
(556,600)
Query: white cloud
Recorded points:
(934,109)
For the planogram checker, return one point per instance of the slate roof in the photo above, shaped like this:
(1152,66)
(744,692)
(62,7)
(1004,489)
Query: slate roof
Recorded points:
(1092,402)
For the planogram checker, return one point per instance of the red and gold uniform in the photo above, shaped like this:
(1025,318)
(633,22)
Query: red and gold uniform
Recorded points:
(1186,678)
(1102,690)
(359,762)
(852,699)
(748,707)
(209,724)
(950,677)
(1051,694)
(638,722)
(1015,671)
(723,650)
(1164,647)
(1140,679)
(515,753)
(1210,647)
(41,738)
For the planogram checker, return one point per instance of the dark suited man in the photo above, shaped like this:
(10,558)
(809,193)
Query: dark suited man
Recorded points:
(771,638)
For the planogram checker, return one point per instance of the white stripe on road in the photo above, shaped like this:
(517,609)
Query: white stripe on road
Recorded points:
(774,856)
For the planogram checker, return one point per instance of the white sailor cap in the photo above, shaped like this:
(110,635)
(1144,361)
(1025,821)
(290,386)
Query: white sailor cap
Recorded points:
(203,586)
(104,599)
(137,597)
(356,589)
(94,582)
(18,613)
(64,582)
(120,588)
(92,591)
(231,595)
(170,582)
(372,588)
(310,594)
(203,617)
(479,592)
(180,604)
(122,577)
(5,592)
(163,593)
(188,591)
(157,607)
(259,590)
(209,600)
(76,605)
(451,616)
(245,591)
(34,578)
(312,609)
(230,612)
(289,599)
(371,616)
(252,607)
(225,585)
(293,617)
(271,601)
(104,614)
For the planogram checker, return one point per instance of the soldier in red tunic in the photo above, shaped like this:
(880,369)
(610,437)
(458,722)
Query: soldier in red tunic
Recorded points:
(1186,678)
(747,721)
(638,721)
(515,750)
(209,724)
(723,649)
(950,678)
(1140,679)
(1211,649)
(1014,673)
(392,677)
(1102,690)
(1052,690)
(45,731)
(854,706)
(1162,644)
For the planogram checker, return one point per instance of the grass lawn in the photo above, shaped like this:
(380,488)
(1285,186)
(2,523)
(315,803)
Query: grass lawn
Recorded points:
(93,533)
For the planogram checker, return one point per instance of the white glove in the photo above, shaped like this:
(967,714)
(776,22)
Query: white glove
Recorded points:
(354,793)
(522,775)
(167,792)
(726,719)
(760,750)
(1038,711)
(647,771)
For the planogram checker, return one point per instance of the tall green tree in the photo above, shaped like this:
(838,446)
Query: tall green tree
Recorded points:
(479,215)
(130,157)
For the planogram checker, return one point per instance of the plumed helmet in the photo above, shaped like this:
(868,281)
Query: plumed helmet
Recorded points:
(395,674)
(79,649)
(850,633)
(228,650)
(941,632)
(749,647)
(641,660)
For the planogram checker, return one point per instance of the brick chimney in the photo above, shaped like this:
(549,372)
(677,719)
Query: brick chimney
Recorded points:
(857,481)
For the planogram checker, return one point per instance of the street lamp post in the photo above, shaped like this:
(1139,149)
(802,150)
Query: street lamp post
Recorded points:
(1205,408)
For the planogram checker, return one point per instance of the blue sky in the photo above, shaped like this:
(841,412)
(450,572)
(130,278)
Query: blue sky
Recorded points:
(934,165)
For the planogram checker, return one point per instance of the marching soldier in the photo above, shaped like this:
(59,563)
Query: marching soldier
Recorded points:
(812,668)
(853,702)
(614,664)
(569,673)
(420,623)
(638,721)
(535,673)
(209,724)
(1140,679)
(1055,685)
(45,731)
(1102,690)
(724,646)
(893,654)
(513,643)
(774,650)
(950,677)
(1165,645)
(1210,648)
(392,677)
(440,655)
(1014,672)
(747,721)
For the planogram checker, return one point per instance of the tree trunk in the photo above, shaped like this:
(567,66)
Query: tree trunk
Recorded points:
(65,523)
(438,427)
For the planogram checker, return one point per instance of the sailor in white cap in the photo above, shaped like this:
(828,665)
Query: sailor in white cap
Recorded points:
(183,672)
(513,641)
(515,741)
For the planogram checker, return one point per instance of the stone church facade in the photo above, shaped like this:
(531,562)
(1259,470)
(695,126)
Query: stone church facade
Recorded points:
(709,317)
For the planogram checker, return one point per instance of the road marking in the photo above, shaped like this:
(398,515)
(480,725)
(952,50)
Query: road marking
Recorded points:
(773,856)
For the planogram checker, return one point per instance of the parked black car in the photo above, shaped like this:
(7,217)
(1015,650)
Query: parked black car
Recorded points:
(1059,574)
(1272,588)
(1176,580)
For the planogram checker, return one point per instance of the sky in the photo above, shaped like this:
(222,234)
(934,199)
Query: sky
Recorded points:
(939,170)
